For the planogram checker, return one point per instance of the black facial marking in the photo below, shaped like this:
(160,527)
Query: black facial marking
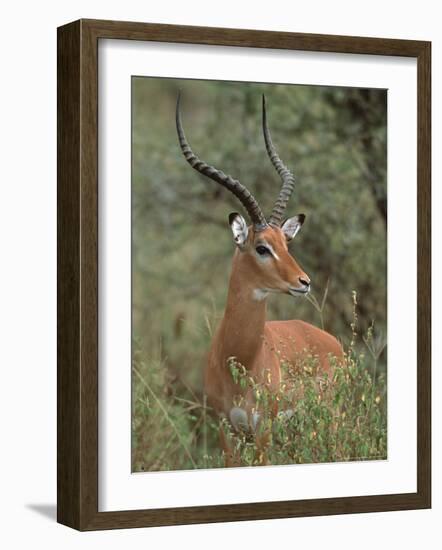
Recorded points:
(262,250)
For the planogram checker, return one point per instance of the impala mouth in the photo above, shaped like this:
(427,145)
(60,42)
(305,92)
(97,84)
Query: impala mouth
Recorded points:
(299,291)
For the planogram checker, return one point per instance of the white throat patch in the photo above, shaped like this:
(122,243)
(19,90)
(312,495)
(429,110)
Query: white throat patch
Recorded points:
(260,294)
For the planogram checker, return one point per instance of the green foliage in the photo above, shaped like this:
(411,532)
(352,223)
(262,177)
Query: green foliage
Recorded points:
(320,419)
(334,140)
(171,429)
(340,419)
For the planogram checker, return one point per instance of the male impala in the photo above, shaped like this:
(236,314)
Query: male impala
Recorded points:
(261,265)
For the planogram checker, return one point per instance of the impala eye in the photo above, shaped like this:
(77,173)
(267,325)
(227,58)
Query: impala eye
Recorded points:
(262,250)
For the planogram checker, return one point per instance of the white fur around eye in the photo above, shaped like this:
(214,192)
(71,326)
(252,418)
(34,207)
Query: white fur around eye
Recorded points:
(239,229)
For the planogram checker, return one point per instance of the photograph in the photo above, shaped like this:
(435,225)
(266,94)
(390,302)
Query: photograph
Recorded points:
(259,274)
(217,272)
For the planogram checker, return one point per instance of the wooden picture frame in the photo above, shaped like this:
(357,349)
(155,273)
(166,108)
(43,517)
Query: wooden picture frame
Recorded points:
(77,461)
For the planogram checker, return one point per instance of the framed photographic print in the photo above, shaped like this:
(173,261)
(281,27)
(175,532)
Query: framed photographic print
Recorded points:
(243,274)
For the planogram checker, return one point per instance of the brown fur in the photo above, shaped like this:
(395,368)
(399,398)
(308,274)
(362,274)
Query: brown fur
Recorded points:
(244,333)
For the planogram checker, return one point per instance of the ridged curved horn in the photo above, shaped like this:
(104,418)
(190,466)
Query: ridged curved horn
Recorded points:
(288,180)
(243,194)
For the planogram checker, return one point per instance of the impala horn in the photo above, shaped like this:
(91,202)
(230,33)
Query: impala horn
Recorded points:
(288,180)
(243,194)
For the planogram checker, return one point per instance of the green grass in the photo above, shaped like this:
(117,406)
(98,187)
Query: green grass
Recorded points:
(343,418)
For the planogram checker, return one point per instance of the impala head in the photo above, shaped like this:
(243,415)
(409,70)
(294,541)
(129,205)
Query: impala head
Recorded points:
(263,245)
(265,259)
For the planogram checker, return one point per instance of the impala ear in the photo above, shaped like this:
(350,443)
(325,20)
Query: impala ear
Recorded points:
(239,228)
(291,226)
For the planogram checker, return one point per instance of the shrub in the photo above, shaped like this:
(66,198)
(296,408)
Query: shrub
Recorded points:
(320,419)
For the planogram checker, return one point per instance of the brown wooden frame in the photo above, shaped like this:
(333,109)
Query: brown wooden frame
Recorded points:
(77,222)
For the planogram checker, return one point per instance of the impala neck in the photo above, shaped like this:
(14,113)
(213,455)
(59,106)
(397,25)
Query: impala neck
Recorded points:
(242,327)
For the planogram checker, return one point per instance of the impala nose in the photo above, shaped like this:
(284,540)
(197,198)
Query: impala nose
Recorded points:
(304,281)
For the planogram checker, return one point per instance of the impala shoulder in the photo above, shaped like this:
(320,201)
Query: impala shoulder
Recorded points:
(301,331)
(313,329)
(326,341)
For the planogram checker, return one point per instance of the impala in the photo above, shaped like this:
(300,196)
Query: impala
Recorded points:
(261,265)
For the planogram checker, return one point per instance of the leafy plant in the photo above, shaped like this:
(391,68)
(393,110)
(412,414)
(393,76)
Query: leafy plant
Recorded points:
(320,419)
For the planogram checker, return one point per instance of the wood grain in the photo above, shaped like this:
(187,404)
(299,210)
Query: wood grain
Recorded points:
(68,276)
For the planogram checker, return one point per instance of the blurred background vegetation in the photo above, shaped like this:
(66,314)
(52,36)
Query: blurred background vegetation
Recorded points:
(333,139)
